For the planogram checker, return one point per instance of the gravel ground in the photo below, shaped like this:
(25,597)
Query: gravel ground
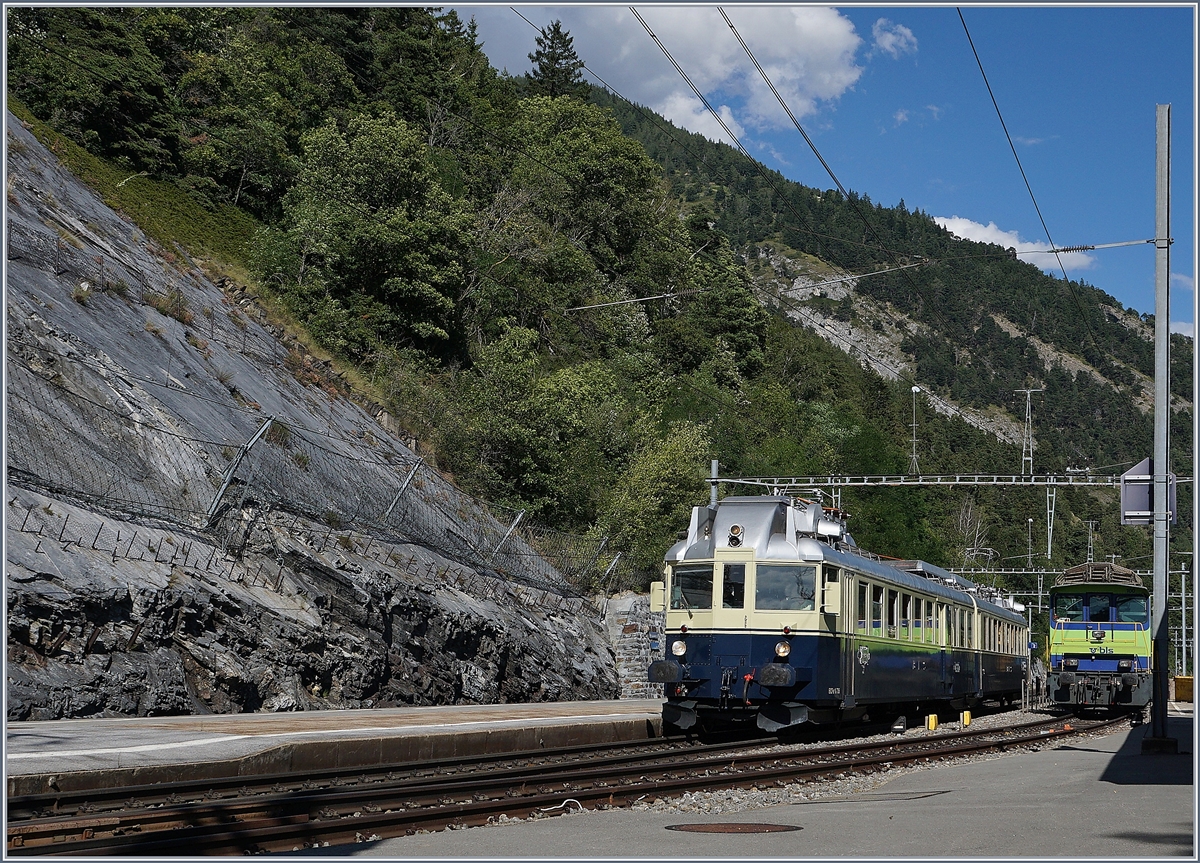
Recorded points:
(728,800)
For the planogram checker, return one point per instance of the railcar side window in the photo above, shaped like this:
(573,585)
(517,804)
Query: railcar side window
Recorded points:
(969,636)
(1098,605)
(932,614)
(905,615)
(733,586)
(893,604)
(1131,609)
(692,586)
(876,609)
(785,587)
(862,607)
(1068,606)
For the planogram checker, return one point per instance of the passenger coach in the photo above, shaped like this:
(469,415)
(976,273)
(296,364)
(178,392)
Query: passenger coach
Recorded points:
(774,614)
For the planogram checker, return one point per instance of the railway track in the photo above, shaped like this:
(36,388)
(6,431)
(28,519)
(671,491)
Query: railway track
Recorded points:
(285,813)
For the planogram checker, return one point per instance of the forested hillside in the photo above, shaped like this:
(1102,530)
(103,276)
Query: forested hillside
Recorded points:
(435,226)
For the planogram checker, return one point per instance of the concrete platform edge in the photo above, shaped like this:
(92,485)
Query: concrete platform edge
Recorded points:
(308,756)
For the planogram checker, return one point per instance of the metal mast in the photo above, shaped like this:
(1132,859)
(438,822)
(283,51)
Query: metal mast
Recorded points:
(1027,437)
(913,468)
(1158,741)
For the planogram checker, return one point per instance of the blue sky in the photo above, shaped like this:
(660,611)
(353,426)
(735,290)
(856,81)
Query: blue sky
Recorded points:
(894,100)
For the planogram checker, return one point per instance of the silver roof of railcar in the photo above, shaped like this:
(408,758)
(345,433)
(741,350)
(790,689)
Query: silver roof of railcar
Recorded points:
(816,535)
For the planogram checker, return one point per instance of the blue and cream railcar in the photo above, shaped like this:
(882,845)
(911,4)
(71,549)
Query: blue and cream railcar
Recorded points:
(1100,644)
(773,614)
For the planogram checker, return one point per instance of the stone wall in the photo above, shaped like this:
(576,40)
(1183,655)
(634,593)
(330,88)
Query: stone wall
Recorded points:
(636,635)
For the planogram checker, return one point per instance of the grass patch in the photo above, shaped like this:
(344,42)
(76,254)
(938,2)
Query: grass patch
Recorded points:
(279,434)
(163,210)
(171,303)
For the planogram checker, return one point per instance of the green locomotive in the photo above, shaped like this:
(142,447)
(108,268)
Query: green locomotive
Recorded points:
(1100,639)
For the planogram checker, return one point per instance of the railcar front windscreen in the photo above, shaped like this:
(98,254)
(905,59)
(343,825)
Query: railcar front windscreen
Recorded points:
(785,587)
(692,586)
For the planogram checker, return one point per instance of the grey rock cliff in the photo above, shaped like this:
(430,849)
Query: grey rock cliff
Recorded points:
(336,569)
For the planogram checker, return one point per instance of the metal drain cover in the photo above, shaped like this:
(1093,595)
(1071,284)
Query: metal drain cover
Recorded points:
(733,827)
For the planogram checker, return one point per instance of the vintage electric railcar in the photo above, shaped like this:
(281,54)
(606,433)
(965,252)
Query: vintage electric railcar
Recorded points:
(1100,642)
(774,615)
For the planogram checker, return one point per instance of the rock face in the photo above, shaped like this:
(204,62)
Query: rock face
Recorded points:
(163,559)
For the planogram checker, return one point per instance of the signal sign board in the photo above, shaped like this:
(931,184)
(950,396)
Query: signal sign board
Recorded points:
(1137,494)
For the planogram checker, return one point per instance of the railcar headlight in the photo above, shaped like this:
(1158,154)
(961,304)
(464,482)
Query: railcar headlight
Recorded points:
(1070,663)
(735,535)
(1124,665)
(679,648)
(782,649)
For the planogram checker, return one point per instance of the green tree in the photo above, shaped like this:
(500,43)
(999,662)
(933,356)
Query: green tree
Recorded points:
(88,74)
(369,249)
(652,500)
(556,65)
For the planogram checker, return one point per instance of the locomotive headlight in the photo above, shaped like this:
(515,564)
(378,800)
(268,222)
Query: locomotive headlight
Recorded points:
(1124,665)
(782,649)
(1070,663)
(678,648)
(735,535)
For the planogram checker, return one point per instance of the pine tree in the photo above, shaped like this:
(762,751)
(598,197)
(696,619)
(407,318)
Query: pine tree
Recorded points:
(556,65)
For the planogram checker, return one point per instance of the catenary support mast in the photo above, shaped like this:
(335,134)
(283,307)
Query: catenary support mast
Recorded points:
(1158,740)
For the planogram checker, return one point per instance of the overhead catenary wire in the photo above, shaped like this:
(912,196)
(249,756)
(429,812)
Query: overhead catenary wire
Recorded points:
(932,308)
(703,159)
(1028,187)
(761,170)
(779,297)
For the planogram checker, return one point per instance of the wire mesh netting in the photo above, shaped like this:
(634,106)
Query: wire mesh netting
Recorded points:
(76,435)
(83,426)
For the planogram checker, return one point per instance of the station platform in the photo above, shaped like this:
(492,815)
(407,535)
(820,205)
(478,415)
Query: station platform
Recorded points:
(72,754)
(1086,798)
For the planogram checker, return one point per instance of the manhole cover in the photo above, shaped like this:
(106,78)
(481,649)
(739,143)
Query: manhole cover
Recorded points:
(733,828)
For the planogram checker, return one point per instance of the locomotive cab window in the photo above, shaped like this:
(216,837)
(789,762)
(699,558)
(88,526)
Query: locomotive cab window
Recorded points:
(733,586)
(785,587)
(692,587)
(1098,606)
(1131,609)
(1068,606)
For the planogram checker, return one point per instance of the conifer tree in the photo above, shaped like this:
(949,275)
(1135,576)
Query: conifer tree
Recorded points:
(556,65)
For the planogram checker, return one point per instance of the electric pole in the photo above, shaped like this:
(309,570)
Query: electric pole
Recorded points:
(1027,437)
(913,468)
(1158,741)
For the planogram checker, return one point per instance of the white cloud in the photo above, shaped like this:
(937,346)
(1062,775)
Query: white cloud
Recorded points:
(1033,252)
(684,109)
(1182,282)
(1187,328)
(808,52)
(901,116)
(935,111)
(1028,142)
(894,39)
